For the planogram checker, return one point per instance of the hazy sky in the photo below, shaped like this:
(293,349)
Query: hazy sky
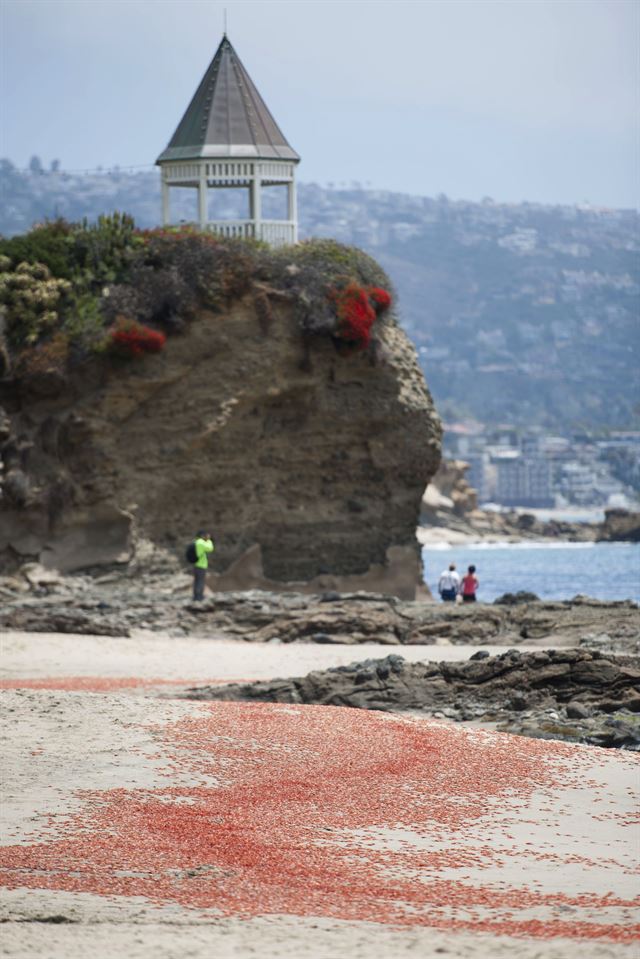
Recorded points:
(514,99)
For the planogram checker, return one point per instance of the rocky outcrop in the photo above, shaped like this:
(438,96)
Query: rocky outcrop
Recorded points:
(306,464)
(620,525)
(449,513)
(561,694)
(449,491)
(159,600)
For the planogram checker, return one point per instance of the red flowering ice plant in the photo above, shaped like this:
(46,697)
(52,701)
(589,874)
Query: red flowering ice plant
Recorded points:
(170,233)
(356,309)
(380,298)
(129,338)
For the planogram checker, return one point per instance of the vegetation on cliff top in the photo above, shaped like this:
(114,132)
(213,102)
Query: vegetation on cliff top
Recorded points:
(518,310)
(70,291)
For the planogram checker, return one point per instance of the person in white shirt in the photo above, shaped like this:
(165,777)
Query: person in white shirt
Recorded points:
(449,584)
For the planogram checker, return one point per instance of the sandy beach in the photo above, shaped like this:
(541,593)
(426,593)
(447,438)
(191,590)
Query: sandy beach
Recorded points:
(150,656)
(137,823)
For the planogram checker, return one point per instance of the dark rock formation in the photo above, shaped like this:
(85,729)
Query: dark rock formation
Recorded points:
(307,465)
(570,694)
(621,525)
(156,597)
(512,599)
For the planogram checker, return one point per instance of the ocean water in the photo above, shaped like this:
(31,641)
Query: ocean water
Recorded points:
(550,570)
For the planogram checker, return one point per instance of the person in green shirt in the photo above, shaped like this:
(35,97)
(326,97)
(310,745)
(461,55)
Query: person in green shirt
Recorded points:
(204,546)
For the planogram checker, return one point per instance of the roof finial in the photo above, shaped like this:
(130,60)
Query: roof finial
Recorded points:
(225,22)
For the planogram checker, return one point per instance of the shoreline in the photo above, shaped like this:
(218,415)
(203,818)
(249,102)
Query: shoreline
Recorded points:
(450,505)
(443,537)
(550,571)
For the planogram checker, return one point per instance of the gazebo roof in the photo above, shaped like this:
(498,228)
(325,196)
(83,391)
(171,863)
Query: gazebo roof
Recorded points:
(227,117)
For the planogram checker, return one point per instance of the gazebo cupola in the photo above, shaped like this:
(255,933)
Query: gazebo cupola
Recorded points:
(228,138)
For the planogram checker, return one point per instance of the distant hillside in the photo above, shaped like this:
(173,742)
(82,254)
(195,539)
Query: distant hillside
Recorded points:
(522,313)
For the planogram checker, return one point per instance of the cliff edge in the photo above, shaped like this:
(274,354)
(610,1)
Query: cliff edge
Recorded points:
(305,451)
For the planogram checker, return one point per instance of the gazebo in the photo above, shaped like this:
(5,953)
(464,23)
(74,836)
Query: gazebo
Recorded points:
(228,138)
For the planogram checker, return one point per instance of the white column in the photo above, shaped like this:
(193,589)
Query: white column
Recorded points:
(202,198)
(292,205)
(166,216)
(256,200)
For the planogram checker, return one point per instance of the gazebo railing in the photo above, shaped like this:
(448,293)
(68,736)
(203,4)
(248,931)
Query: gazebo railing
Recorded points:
(243,228)
(274,232)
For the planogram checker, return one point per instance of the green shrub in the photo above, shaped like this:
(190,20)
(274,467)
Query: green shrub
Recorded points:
(50,276)
(216,270)
(160,296)
(79,279)
(85,325)
(89,254)
(33,301)
(49,243)
(329,260)
(103,252)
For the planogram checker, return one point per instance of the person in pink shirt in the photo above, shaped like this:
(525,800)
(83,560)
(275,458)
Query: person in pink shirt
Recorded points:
(469,586)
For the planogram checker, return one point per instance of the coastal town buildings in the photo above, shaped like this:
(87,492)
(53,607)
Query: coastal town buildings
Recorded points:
(533,469)
(522,479)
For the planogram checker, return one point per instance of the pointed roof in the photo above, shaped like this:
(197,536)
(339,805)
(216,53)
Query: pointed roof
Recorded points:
(227,117)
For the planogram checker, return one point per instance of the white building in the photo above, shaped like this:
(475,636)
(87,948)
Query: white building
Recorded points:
(522,480)
(578,482)
(228,138)
(480,475)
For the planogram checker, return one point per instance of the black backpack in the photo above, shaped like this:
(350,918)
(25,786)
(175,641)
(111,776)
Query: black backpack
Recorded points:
(190,553)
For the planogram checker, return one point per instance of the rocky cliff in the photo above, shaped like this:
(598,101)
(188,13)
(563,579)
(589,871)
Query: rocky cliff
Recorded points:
(306,461)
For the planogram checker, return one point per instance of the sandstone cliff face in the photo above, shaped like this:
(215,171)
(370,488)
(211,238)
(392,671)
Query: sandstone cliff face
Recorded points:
(308,466)
(450,490)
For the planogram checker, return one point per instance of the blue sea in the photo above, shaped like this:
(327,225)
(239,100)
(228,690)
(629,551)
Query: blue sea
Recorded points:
(551,571)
